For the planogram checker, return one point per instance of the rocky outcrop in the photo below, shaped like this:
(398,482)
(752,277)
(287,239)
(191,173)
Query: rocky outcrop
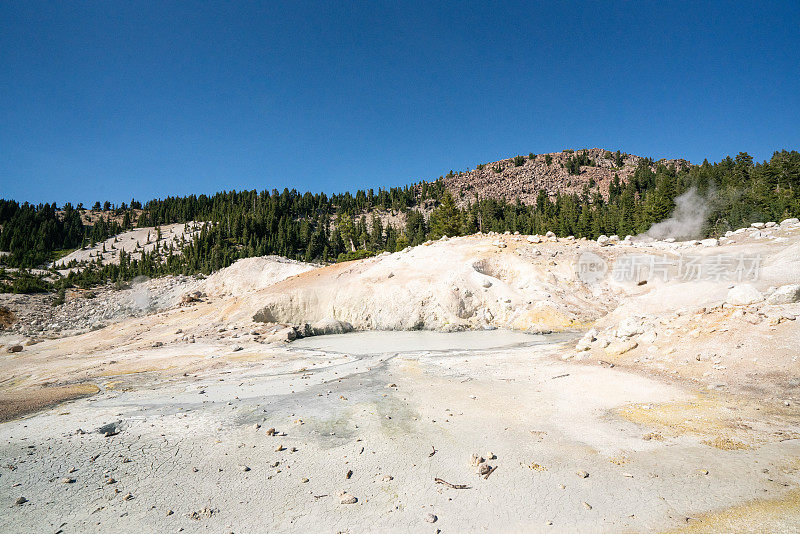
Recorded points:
(787,294)
(743,295)
(330,326)
(523,179)
(457,284)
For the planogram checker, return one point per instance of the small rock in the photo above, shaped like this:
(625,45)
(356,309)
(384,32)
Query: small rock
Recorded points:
(586,505)
(431,518)
(15,348)
(244,468)
(346,498)
(484,469)
(280,448)
(476,460)
(67,480)
(127,497)
(583,474)
(20,500)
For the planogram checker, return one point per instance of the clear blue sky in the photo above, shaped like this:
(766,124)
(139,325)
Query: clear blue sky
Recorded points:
(113,100)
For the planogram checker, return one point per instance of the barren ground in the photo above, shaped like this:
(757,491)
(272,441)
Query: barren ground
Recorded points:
(693,427)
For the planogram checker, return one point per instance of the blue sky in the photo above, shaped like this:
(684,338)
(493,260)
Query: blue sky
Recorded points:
(114,100)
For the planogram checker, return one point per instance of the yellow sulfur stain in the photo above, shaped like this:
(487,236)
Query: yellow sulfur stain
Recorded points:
(759,516)
(713,417)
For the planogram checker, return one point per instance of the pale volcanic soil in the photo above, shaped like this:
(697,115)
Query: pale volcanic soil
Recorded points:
(666,406)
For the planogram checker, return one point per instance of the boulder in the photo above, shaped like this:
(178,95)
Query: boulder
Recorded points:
(758,225)
(621,347)
(284,335)
(330,326)
(789,222)
(602,240)
(743,295)
(264,315)
(709,242)
(630,326)
(15,348)
(785,295)
(648,337)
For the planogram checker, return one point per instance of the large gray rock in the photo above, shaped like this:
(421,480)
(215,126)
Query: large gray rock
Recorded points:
(630,326)
(284,335)
(264,315)
(743,295)
(330,326)
(785,295)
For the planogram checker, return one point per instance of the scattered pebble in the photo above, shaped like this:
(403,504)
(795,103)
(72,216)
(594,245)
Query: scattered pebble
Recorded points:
(21,500)
(431,518)
(587,505)
(346,498)
(583,474)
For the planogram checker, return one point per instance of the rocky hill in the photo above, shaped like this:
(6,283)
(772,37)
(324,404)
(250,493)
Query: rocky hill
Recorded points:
(523,177)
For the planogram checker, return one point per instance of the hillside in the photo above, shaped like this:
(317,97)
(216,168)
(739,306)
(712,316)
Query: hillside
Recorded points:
(523,178)
(584,193)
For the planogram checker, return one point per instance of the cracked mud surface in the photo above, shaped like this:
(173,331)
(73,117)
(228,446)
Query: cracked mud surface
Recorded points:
(189,445)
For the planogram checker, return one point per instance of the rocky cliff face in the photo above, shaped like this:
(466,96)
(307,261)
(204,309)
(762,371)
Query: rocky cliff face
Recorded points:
(526,180)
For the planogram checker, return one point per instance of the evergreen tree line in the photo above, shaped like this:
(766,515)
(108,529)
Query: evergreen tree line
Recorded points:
(316,227)
(32,234)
